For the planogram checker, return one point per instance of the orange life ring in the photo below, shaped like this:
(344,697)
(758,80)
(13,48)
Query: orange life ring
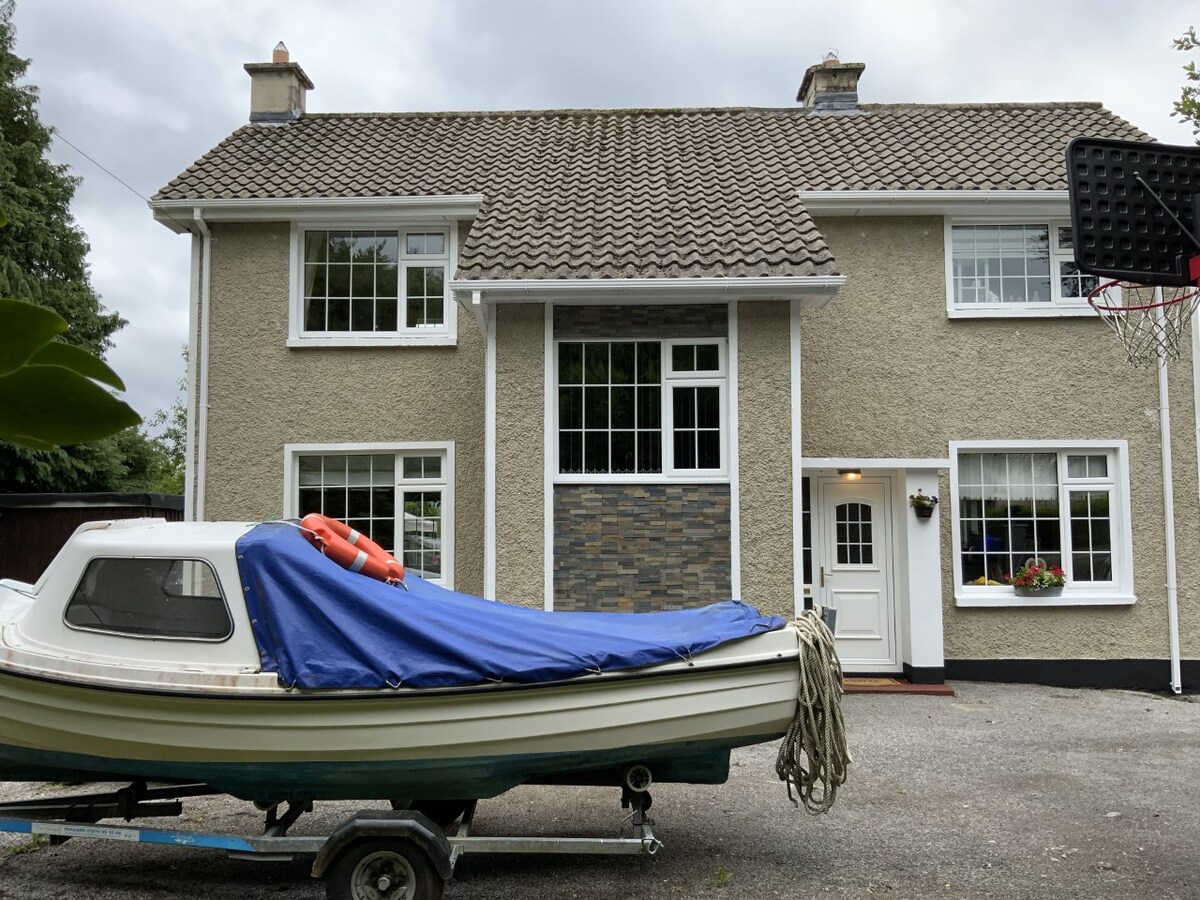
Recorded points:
(351,549)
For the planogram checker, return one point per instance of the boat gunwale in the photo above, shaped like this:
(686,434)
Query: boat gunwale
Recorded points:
(387,692)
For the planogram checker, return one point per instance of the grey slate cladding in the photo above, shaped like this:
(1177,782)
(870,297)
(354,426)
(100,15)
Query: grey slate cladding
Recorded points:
(641,547)
(580,194)
(584,323)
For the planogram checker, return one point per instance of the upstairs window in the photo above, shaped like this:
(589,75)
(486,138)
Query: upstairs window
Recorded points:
(372,285)
(641,409)
(1015,269)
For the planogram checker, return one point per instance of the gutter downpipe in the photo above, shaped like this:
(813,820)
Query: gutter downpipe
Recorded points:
(201,467)
(1164,418)
(193,360)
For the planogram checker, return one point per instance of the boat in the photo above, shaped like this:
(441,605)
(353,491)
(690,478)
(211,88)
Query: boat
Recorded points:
(232,654)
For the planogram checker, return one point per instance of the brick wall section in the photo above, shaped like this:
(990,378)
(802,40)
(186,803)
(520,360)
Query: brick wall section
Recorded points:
(581,323)
(640,547)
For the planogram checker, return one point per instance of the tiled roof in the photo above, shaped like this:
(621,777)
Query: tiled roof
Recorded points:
(646,193)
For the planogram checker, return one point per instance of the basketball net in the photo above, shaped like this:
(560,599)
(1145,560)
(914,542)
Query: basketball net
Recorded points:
(1151,326)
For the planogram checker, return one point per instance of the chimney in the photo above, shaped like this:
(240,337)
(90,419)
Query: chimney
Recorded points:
(831,85)
(277,88)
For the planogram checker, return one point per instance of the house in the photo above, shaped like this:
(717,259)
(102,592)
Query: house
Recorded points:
(641,359)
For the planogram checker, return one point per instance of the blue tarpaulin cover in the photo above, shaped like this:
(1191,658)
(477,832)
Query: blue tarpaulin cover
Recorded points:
(319,626)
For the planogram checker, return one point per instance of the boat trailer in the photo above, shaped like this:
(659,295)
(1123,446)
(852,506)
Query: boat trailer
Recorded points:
(375,854)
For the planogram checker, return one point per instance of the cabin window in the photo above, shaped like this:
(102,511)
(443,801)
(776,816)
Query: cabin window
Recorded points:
(154,598)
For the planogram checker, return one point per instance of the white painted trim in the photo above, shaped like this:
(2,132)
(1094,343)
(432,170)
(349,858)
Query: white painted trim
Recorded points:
(921,615)
(1121,594)
(1164,420)
(734,442)
(875,462)
(202,428)
(549,455)
(193,366)
(445,335)
(797,463)
(932,203)
(291,485)
(654,478)
(489,460)
(816,290)
(445,208)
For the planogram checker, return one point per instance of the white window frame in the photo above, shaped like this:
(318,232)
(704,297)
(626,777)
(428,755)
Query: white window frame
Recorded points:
(445,334)
(1119,592)
(291,484)
(1056,307)
(669,379)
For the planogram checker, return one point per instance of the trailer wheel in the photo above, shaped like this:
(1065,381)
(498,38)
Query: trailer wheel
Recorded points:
(382,869)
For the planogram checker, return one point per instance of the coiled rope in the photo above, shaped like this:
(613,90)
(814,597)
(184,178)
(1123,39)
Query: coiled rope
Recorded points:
(814,753)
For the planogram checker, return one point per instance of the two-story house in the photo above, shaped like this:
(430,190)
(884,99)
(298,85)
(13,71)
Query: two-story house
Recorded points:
(636,359)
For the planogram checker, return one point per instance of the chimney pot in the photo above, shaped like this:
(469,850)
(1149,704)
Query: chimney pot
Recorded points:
(831,85)
(277,89)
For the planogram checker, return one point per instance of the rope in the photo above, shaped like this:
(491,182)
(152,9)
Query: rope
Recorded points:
(817,732)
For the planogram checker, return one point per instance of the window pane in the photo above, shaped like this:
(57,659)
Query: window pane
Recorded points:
(685,449)
(570,363)
(708,407)
(570,407)
(595,451)
(595,407)
(622,407)
(709,449)
(425,244)
(362,315)
(649,449)
(622,362)
(595,359)
(570,452)
(316,244)
(708,358)
(649,363)
(623,443)
(683,358)
(685,407)
(171,598)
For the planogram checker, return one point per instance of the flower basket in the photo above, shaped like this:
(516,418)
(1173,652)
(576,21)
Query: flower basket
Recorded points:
(1038,593)
(922,504)
(1038,579)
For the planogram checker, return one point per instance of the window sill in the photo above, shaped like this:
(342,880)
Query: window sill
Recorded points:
(1081,597)
(440,339)
(1014,311)
(640,479)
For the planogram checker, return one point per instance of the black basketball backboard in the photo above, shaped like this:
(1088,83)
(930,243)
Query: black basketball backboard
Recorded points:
(1120,229)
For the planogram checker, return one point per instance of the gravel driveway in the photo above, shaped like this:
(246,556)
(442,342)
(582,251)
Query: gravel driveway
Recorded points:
(1003,791)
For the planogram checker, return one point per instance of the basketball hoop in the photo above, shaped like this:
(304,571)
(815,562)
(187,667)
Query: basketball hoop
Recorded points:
(1150,327)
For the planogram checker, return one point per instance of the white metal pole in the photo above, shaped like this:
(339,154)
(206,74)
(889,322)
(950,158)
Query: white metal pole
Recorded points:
(1164,418)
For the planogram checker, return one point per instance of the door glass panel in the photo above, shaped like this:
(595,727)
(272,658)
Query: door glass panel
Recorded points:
(854,544)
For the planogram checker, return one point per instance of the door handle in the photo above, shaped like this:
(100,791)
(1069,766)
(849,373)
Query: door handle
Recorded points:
(822,576)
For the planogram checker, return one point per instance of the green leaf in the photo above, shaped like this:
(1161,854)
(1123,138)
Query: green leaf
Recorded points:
(78,360)
(24,328)
(48,406)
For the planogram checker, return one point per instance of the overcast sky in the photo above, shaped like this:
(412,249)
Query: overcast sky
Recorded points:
(145,87)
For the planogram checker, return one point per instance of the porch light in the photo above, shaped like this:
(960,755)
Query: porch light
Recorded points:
(850,474)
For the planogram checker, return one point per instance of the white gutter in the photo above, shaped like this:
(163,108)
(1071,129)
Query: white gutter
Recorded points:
(174,213)
(960,202)
(1164,418)
(201,464)
(817,290)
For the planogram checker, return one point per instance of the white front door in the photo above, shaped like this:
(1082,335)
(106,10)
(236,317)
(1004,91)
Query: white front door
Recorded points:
(855,572)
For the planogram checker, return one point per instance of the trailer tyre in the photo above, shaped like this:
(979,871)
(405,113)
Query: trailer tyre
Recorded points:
(383,869)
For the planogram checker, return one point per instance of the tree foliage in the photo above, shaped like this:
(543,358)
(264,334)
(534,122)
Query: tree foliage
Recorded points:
(1187,107)
(50,362)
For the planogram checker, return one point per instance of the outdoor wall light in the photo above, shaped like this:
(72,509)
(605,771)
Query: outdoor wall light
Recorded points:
(850,474)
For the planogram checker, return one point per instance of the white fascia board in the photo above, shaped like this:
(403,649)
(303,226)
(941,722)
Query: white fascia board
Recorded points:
(811,290)
(176,214)
(911,464)
(936,203)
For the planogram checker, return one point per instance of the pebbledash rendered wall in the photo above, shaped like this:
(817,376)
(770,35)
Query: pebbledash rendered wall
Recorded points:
(885,373)
(263,395)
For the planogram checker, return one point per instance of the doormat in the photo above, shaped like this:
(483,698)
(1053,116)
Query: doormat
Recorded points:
(894,686)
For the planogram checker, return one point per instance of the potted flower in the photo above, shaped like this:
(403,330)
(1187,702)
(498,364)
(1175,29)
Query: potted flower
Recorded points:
(1037,578)
(922,504)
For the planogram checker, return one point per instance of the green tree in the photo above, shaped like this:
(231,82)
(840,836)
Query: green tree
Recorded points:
(1187,107)
(50,360)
